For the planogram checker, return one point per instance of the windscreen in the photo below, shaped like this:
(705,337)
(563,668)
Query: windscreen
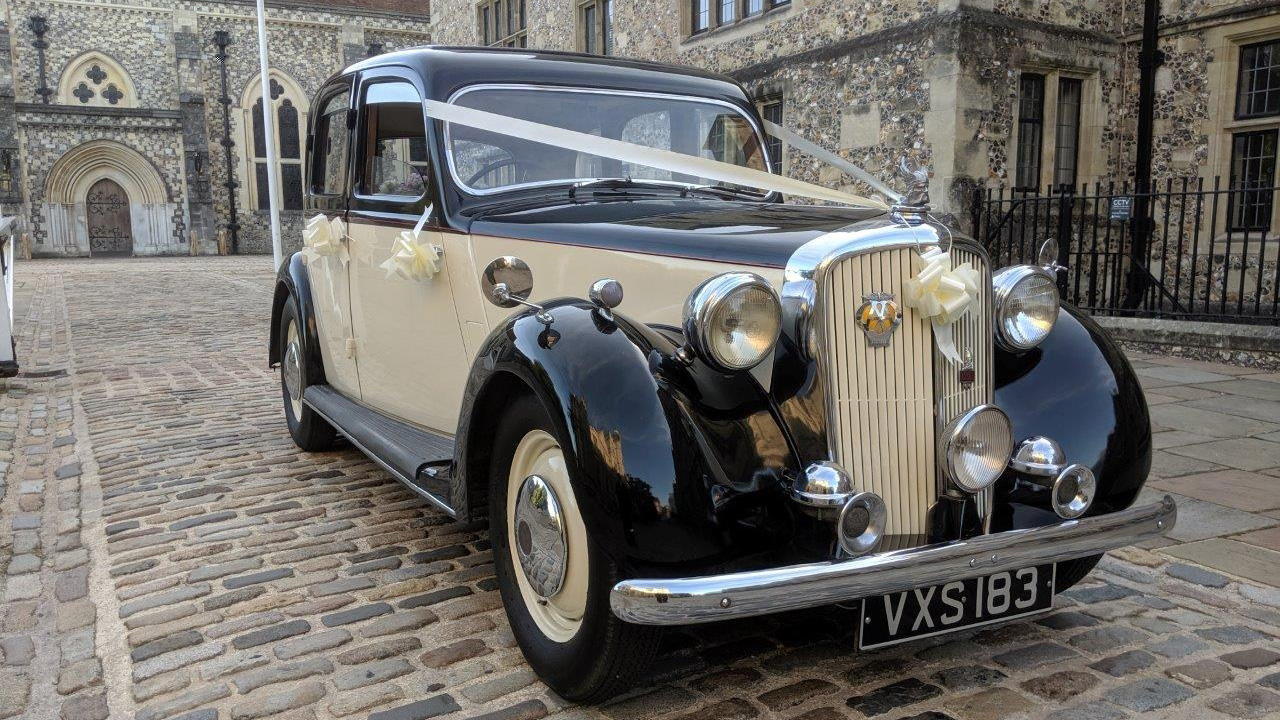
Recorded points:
(485,162)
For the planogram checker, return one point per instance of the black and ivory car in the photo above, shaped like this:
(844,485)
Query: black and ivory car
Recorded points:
(560,293)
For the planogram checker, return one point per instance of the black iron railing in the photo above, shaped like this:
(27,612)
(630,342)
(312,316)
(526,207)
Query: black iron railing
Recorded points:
(1210,254)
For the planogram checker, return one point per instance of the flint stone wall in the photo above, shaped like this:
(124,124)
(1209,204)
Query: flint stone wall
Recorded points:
(166,47)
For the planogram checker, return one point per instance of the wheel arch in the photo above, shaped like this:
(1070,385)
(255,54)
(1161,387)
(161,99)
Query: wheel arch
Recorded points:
(667,457)
(293,281)
(477,455)
(281,296)
(1079,389)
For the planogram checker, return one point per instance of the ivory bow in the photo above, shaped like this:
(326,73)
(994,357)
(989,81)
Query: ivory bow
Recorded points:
(325,238)
(412,259)
(943,294)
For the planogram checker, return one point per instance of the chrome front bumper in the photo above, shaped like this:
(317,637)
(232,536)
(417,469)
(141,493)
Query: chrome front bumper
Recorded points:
(722,597)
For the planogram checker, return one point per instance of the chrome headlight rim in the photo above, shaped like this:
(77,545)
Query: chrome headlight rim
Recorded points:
(952,433)
(1004,283)
(707,298)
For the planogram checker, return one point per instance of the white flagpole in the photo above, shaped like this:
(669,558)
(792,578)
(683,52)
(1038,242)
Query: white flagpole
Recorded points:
(269,129)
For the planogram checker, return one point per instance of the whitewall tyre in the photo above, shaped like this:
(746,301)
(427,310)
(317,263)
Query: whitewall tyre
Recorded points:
(308,430)
(553,577)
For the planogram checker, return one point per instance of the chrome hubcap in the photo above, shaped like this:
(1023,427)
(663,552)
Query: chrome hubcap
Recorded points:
(540,536)
(293,369)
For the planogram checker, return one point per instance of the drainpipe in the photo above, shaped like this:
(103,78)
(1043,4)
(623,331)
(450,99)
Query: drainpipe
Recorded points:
(222,39)
(1141,224)
(39,26)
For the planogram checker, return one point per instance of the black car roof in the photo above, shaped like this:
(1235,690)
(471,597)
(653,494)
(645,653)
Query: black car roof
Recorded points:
(445,70)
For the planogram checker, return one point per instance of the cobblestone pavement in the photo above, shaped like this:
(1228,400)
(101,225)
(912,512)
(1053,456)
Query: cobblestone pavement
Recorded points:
(166,552)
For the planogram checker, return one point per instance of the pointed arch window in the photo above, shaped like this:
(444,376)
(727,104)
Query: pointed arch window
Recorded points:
(95,80)
(287,106)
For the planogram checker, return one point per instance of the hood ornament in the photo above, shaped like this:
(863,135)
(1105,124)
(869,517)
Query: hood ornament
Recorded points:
(879,316)
(913,208)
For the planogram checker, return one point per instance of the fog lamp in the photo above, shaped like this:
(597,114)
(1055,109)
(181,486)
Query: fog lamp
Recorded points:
(861,523)
(976,447)
(1073,491)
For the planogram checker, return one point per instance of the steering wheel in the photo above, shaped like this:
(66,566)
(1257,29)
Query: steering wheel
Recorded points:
(488,168)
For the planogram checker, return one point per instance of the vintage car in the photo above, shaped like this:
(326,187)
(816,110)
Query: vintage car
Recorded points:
(774,418)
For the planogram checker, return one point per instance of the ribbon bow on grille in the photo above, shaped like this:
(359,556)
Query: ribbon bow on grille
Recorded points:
(943,294)
(411,259)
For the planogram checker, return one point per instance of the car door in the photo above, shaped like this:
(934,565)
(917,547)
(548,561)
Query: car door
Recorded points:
(329,148)
(409,345)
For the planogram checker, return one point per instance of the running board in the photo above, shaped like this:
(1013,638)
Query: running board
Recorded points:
(419,459)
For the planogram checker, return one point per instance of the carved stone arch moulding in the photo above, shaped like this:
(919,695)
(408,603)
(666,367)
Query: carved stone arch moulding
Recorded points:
(282,85)
(95,80)
(72,175)
(104,197)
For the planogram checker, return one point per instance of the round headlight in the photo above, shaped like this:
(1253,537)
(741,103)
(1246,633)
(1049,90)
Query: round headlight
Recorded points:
(733,320)
(976,447)
(1026,306)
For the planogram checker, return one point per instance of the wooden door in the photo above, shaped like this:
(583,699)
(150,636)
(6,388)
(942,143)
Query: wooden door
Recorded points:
(110,232)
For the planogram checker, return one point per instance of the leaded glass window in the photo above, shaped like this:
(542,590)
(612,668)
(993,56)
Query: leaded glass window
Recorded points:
(502,23)
(595,26)
(1066,154)
(1253,179)
(1258,89)
(287,143)
(1030,130)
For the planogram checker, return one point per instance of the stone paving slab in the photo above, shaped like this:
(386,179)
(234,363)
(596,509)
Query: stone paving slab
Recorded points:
(167,553)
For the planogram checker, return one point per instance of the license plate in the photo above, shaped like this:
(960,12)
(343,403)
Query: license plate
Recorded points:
(924,612)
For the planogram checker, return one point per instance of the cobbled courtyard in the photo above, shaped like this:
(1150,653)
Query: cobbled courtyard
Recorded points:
(167,552)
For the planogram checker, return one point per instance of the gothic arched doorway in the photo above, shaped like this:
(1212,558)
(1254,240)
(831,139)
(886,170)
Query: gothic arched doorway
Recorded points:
(110,230)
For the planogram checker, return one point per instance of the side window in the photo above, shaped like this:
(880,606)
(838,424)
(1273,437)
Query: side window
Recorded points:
(329,157)
(394,152)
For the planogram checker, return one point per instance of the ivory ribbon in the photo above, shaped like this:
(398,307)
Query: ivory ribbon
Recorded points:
(639,154)
(410,258)
(943,294)
(830,158)
(325,238)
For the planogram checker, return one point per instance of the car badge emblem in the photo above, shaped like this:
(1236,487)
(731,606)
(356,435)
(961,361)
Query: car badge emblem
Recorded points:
(966,374)
(879,317)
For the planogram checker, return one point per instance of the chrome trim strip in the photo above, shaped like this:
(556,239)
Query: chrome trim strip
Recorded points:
(758,592)
(481,192)
(440,504)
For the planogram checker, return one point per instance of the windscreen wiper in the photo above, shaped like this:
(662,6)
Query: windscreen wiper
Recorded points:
(726,191)
(621,185)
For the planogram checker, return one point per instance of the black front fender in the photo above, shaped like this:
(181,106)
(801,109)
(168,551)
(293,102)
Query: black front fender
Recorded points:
(293,281)
(676,467)
(1077,388)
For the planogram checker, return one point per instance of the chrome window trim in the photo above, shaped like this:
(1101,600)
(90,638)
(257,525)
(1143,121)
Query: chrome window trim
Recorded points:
(483,192)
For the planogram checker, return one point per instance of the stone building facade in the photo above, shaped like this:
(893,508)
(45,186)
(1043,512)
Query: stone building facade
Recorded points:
(127,127)
(997,94)
(988,93)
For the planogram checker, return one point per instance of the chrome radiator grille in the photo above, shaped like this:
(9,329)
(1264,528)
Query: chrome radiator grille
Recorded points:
(886,403)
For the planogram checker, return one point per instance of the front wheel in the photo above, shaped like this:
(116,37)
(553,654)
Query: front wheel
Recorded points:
(309,431)
(553,577)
